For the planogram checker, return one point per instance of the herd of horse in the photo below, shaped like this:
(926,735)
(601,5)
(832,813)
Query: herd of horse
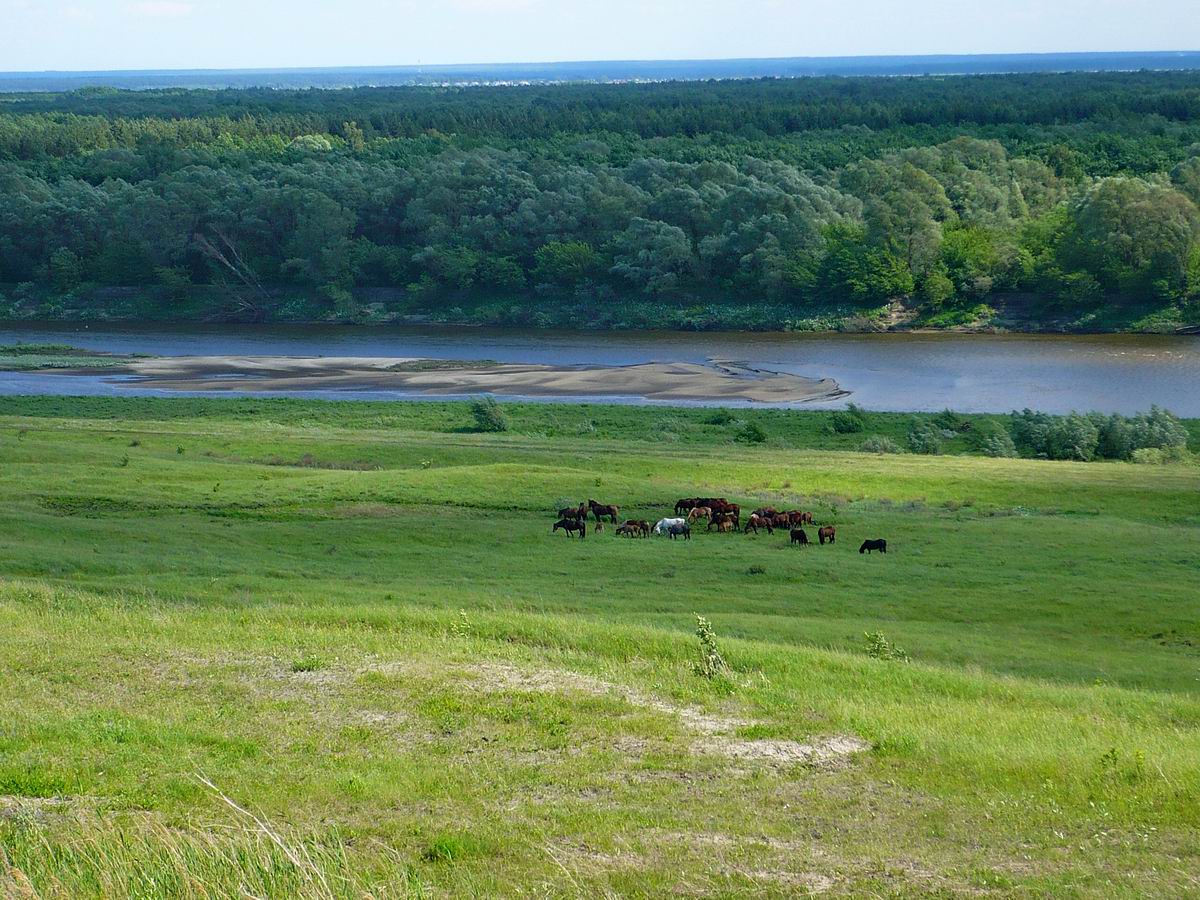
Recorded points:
(715,512)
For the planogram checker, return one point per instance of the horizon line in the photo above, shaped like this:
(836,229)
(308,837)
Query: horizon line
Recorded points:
(581,62)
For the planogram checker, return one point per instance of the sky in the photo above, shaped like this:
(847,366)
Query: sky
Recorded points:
(37,35)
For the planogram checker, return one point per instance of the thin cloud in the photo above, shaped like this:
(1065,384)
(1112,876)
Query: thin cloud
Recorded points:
(162,9)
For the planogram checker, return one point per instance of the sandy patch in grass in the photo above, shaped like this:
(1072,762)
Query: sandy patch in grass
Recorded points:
(717,729)
(718,380)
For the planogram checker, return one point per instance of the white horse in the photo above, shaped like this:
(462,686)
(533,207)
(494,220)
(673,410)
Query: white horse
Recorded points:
(664,525)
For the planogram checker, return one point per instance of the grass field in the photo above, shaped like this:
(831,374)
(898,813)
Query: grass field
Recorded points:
(285,648)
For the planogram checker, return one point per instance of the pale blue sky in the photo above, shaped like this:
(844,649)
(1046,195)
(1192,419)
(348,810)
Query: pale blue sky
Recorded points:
(136,34)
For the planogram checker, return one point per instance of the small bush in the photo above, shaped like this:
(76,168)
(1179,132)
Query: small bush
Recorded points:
(925,437)
(878,443)
(720,417)
(851,420)
(879,647)
(992,439)
(949,420)
(712,664)
(488,414)
(751,433)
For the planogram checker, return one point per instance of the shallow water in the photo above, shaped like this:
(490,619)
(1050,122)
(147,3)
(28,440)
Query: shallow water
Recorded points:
(970,373)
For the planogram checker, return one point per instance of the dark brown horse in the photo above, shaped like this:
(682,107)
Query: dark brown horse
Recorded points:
(684,504)
(766,512)
(573,512)
(868,546)
(798,517)
(570,526)
(684,531)
(756,522)
(826,534)
(599,510)
(799,537)
(781,520)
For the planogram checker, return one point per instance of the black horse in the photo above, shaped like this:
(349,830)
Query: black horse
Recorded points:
(570,526)
(799,536)
(868,546)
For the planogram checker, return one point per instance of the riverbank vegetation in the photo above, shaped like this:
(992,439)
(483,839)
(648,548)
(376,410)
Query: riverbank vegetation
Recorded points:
(1053,201)
(351,621)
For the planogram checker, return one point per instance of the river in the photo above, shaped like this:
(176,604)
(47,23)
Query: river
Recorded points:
(913,372)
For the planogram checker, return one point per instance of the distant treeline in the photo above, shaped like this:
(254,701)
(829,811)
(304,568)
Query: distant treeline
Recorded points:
(1080,190)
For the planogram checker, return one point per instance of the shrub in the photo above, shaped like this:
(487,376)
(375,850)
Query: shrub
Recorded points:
(712,664)
(488,414)
(751,433)
(949,420)
(720,417)
(992,439)
(1056,437)
(925,437)
(851,420)
(879,647)
(878,443)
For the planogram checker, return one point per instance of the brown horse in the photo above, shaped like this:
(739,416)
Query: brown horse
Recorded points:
(570,526)
(683,504)
(639,527)
(699,512)
(627,530)
(725,526)
(719,519)
(799,537)
(826,534)
(782,520)
(765,512)
(573,512)
(756,522)
(797,517)
(599,510)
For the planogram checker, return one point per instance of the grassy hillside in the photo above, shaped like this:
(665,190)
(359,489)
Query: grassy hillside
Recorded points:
(352,621)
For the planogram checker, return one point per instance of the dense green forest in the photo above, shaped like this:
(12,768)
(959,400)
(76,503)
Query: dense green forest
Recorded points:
(1057,200)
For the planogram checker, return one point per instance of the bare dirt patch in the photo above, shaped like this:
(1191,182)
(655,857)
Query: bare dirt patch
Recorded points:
(717,729)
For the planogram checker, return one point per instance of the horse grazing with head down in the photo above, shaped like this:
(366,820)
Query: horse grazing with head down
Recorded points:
(683,504)
(684,530)
(826,534)
(571,526)
(599,510)
(868,546)
(756,522)
(799,537)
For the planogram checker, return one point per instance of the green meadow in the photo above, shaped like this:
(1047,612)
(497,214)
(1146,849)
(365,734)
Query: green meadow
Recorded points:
(275,648)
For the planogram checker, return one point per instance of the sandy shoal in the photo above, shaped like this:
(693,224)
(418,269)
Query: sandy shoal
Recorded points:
(652,381)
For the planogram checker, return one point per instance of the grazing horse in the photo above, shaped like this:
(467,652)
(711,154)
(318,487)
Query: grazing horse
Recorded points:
(826,534)
(766,512)
(627,530)
(799,537)
(676,530)
(781,521)
(638,527)
(662,525)
(720,519)
(700,512)
(599,510)
(573,512)
(570,526)
(685,503)
(756,522)
(868,546)
(725,526)
(798,517)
